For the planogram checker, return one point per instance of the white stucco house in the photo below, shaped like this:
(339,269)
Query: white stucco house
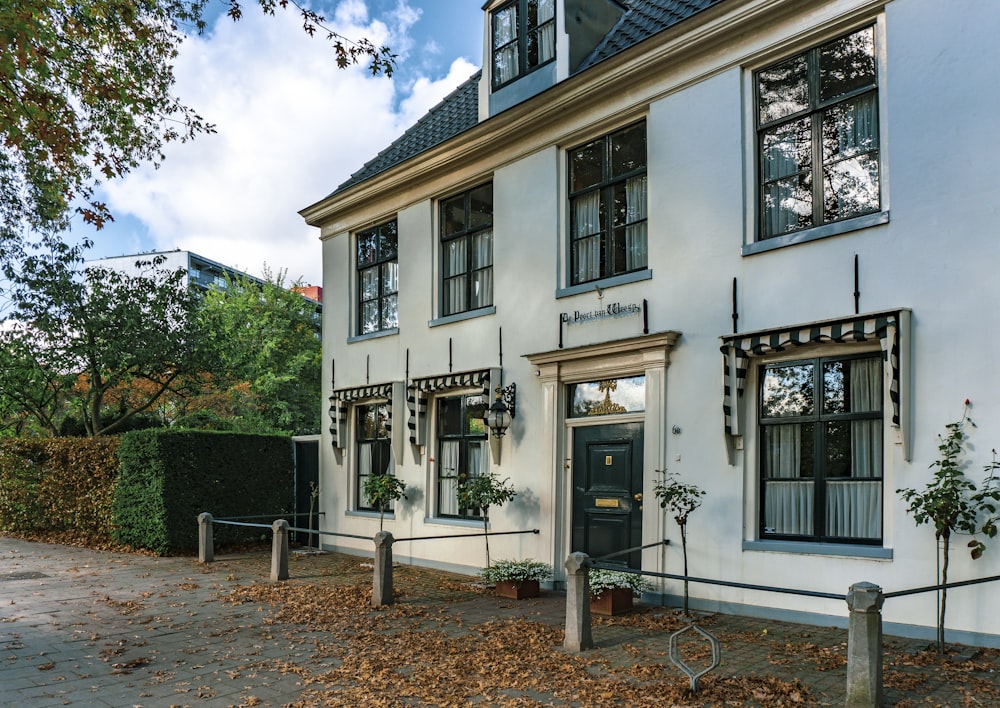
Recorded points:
(751,242)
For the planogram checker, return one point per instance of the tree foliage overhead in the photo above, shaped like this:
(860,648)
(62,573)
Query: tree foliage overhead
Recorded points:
(86,95)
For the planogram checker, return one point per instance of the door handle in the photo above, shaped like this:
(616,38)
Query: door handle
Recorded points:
(638,497)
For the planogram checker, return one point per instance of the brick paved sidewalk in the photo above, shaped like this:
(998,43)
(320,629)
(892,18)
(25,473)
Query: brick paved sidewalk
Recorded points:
(88,628)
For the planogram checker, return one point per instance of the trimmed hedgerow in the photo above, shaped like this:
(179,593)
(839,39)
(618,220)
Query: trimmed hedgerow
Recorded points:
(59,486)
(169,477)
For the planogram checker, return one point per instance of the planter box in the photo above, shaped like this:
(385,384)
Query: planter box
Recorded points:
(616,601)
(517,590)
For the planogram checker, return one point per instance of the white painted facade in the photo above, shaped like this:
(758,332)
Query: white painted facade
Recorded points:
(931,251)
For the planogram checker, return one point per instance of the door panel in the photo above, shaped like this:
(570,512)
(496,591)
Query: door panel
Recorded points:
(607,489)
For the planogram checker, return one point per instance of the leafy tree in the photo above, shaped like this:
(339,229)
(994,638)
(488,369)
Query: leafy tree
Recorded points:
(86,94)
(681,499)
(382,490)
(264,352)
(78,335)
(481,492)
(952,502)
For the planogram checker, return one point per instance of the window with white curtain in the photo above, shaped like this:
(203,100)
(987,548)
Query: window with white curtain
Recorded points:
(374,448)
(523,34)
(467,251)
(817,136)
(378,278)
(821,449)
(462,450)
(607,179)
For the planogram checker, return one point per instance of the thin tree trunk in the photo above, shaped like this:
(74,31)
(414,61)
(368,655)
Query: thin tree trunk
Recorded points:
(684,550)
(944,591)
(486,532)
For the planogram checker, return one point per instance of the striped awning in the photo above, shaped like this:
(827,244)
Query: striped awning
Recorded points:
(889,328)
(419,390)
(343,397)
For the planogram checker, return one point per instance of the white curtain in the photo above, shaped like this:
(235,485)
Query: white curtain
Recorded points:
(854,507)
(547,34)
(850,162)
(587,237)
(788,500)
(364,471)
(789,507)
(479,459)
(785,153)
(504,32)
(454,287)
(635,233)
(448,477)
(482,261)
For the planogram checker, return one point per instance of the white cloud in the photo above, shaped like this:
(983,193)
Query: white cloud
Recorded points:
(291,127)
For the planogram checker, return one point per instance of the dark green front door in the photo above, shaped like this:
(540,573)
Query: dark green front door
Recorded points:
(607,491)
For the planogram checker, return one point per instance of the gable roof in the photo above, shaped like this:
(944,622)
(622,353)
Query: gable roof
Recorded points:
(459,111)
(642,20)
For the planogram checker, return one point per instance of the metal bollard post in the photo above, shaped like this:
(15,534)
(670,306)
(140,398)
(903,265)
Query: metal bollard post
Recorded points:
(206,544)
(382,593)
(864,646)
(578,634)
(279,550)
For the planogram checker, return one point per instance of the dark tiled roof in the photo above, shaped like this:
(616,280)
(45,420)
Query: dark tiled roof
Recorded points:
(643,19)
(459,111)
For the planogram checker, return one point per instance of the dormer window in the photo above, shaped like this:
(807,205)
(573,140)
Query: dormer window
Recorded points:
(523,38)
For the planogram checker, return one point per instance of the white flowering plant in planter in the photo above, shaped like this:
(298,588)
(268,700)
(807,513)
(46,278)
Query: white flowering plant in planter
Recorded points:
(601,580)
(516,571)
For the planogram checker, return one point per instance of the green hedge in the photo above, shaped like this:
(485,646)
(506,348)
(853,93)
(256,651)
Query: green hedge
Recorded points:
(169,477)
(54,486)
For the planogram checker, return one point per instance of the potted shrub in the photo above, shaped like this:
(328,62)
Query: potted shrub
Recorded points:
(611,590)
(516,579)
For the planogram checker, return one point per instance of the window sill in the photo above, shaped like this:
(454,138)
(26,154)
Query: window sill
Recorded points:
(819,549)
(373,335)
(611,282)
(365,514)
(835,229)
(460,316)
(444,521)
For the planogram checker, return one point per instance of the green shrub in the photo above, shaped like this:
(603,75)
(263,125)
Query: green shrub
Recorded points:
(59,486)
(168,477)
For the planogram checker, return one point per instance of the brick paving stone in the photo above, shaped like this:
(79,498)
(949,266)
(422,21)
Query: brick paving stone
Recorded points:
(133,630)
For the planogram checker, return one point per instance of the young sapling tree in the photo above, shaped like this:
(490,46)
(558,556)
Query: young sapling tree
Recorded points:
(680,499)
(953,503)
(381,491)
(482,492)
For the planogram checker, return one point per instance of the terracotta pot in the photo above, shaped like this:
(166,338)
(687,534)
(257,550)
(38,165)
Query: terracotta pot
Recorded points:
(517,590)
(615,601)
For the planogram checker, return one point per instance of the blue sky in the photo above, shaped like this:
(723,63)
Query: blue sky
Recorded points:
(291,127)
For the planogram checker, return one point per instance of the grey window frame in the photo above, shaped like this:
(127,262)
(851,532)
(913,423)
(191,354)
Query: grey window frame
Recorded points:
(521,40)
(380,264)
(606,187)
(462,438)
(814,112)
(382,444)
(818,417)
(468,234)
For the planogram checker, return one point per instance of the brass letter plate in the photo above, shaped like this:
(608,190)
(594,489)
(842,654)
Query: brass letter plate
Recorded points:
(607,503)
